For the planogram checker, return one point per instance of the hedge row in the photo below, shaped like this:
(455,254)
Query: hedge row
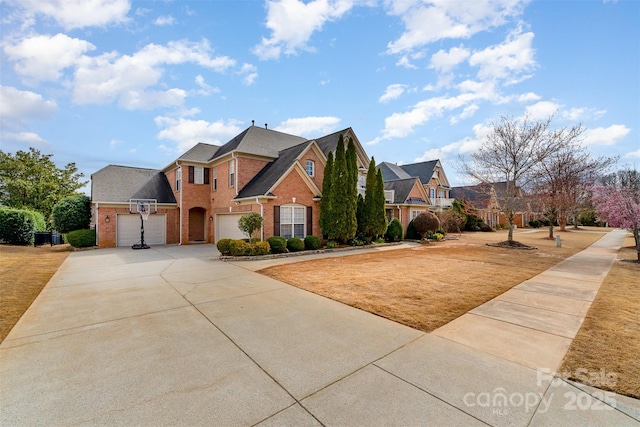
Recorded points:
(273,245)
(16,225)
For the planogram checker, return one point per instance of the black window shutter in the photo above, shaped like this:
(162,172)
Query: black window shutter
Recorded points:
(191,174)
(309,220)
(206,175)
(276,220)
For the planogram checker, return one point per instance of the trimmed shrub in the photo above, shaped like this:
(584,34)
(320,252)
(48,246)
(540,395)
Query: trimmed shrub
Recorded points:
(278,244)
(451,221)
(16,225)
(394,231)
(81,238)
(223,246)
(534,223)
(295,244)
(261,248)
(412,233)
(426,222)
(587,217)
(249,223)
(312,243)
(71,213)
(240,248)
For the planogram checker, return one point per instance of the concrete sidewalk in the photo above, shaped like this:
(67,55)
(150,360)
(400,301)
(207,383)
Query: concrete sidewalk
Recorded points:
(170,336)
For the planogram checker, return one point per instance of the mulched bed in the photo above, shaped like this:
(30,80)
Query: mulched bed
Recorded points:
(512,245)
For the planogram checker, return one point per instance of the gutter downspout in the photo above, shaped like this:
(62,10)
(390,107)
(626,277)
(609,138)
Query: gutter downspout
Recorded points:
(97,221)
(181,188)
(399,213)
(262,215)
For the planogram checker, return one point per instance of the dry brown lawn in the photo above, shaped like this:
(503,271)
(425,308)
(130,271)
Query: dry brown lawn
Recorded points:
(429,286)
(24,271)
(608,340)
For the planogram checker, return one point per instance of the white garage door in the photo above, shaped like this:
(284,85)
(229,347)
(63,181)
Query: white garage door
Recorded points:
(227,227)
(128,230)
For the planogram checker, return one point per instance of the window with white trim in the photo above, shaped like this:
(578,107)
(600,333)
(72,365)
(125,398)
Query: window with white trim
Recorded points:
(198,175)
(178,178)
(415,213)
(232,173)
(432,193)
(292,221)
(310,167)
(215,178)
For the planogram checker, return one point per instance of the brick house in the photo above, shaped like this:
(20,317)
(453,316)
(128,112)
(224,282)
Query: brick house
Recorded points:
(414,188)
(202,194)
(488,199)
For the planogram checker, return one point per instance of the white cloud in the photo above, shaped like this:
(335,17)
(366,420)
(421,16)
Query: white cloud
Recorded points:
(293,22)
(529,96)
(430,21)
(541,110)
(185,133)
(393,91)
(44,57)
(633,153)
(164,20)
(467,112)
(445,61)
(508,59)
(463,146)
(19,106)
(72,14)
(405,62)
(110,76)
(308,126)
(605,136)
(578,114)
(205,89)
(22,138)
(250,73)
(114,143)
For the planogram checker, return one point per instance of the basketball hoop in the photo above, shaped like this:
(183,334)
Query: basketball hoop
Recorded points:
(144,209)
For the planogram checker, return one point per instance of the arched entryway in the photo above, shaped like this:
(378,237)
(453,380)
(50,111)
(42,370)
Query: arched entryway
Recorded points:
(197,224)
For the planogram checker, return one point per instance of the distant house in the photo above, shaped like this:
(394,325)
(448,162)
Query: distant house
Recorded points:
(431,175)
(202,194)
(489,200)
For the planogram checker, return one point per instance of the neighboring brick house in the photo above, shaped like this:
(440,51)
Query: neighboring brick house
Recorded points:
(207,189)
(486,198)
(431,175)
(405,199)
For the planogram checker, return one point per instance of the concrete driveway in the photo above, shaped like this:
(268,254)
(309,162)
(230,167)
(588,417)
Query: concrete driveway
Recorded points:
(172,336)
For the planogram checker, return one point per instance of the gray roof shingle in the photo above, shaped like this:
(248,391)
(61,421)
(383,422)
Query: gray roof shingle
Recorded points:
(200,152)
(402,188)
(423,170)
(391,171)
(260,141)
(269,175)
(121,183)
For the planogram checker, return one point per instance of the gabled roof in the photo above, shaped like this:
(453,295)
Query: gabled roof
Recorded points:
(422,170)
(272,172)
(328,143)
(200,152)
(401,190)
(261,142)
(119,184)
(479,195)
(391,171)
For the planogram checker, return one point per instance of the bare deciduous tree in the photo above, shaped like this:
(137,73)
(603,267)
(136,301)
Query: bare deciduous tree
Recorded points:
(565,176)
(511,154)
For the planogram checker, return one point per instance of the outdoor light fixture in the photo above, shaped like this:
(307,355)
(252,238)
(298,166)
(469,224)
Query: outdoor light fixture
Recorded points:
(107,219)
(210,218)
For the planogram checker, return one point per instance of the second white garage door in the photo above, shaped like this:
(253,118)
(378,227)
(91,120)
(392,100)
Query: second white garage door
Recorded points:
(128,229)
(227,227)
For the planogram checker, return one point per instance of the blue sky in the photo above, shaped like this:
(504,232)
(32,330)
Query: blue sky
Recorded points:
(133,83)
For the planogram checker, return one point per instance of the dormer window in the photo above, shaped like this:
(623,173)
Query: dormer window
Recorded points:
(310,167)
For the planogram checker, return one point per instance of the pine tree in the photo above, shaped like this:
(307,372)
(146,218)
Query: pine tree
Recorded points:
(378,209)
(325,202)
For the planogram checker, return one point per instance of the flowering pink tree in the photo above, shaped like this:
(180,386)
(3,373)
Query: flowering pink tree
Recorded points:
(617,201)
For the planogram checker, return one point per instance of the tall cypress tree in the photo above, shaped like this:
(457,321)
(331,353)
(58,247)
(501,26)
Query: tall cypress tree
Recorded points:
(368,221)
(339,195)
(378,208)
(351,226)
(325,202)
